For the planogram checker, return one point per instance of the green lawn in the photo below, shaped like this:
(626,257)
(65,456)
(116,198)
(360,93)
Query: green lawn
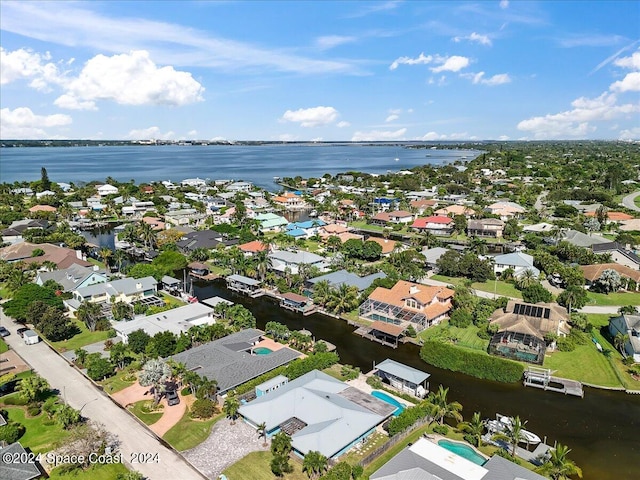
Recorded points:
(95,472)
(467,337)
(85,337)
(637,201)
(362,224)
(138,409)
(42,434)
(118,382)
(3,346)
(502,289)
(170,300)
(96,262)
(256,466)
(585,364)
(617,298)
(188,433)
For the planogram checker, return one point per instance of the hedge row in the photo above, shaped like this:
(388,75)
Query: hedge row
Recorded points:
(407,418)
(297,368)
(476,364)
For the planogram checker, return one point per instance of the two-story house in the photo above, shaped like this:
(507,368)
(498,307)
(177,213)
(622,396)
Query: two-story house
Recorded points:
(435,224)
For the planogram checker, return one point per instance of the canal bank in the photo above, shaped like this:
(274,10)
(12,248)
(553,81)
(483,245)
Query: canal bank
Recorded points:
(601,429)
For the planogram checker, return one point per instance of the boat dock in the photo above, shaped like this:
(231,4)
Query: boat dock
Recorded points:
(541,378)
(364,332)
(535,457)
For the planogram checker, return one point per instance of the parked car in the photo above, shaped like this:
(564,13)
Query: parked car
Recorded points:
(173,398)
(4,332)
(21,331)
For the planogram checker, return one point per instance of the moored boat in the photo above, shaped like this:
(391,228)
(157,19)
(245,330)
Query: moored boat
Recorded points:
(503,423)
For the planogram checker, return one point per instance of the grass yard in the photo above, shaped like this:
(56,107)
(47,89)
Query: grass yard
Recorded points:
(366,226)
(170,300)
(637,201)
(256,466)
(467,337)
(334,371)
(374,441)
(455,281)
(85,337)
(617,298)
(95,472)
(119,381)
(502,289)
(41,434)
(3,346)
(145,411)
(585,364)
(188,433)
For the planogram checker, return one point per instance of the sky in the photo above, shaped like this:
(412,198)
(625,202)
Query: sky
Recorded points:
(320,70)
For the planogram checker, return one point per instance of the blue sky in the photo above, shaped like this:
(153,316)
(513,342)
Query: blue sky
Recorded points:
(320,70)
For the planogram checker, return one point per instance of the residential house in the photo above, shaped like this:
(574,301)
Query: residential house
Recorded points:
(14,232)
(177,320)
(251,248)
(619,254)
(270,222)
(232,360)
(426,460)
(403,377)
(138,209)
(408,303)
(246,285)
(319,413)
(106,189)
(207,239)
(297,303)
(432,255)
(236,187)
(127,290)
(197,183)
(611,216)
(542,227)
(184,216)
(592,273)
(453,210)
(506,210)
(522,328)
(380,218)
(628,325)
(290,201)
(156,223)
(343,277)
(283,260)
(305,229)
(579,239)
(486,227)
(76,276)
(388,246)
(630,225)
(61,256)
(25,468)
(43,208)
(519,262)
(422,205)
(400,217)
(435,224)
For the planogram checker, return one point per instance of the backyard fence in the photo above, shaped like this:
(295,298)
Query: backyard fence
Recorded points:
(393,441)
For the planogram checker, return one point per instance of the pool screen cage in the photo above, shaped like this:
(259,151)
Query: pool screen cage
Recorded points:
(377,310)
(518,346)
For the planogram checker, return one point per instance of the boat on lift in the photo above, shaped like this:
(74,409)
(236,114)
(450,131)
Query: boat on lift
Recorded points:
(503,423)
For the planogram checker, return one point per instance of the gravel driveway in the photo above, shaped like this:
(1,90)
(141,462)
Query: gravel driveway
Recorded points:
(225,446)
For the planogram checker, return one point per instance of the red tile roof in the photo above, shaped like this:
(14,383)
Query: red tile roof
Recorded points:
(438,219)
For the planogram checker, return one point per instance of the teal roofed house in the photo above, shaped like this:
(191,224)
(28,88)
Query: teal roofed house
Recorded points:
(270,222)
(319,412)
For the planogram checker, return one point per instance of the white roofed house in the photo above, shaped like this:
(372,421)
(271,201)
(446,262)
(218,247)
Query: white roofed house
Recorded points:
(281,260)
(127,290)
(518,261)
(74,277)
(506,210)
(106,189)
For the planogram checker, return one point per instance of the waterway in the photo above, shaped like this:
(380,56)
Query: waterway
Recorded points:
(602,429)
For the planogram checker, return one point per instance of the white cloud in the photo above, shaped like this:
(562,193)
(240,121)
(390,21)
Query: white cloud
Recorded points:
(630,134)
(504,4)
(287,137)
(331,41)
(22,123)
(575,122)
(192,133)
(590,40)
(503,138)
(317,139)
(74,23)
(311,117)
(23,64)
(151,133)
(419,60)
(431,136)
(630,83)
(632,62)
(454,63)
(392,118)
(479,78)
(129,79)
(475,37)
(379,135)
(376,7)
(343,124)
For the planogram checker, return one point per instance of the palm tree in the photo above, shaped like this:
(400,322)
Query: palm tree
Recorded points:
(262,432)
(527,279)
(147,235)
(475,428)
(31,388)
(513,433)
(230,408)
(16,279)
(89,313)
(119,256)
(558,466)
(343,299)
(262,264)
(105,254)
(155,373)
(314,464)
(440,408)
(619,340)
(207,388)
(321,292)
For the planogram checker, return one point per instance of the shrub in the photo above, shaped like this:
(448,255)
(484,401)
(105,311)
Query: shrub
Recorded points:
(503,453)
(474,363)
(11,432)
(460,318)
(34,410)
(102,325)
(100,368)
(407,418)
(203,408)
(469,439)
(441,429)
(374,381)
(185,391)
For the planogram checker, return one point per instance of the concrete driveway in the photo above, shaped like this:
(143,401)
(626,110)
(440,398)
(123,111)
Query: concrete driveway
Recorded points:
(81,394)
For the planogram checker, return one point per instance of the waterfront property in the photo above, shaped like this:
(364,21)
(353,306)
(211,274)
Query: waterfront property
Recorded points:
(319,412)
(127,290)
(297,303)
(628,325)
(76,276)
(435,224)
(281,260)
(177,320)
(61,256)
(403,377)
(344,277)
(522,328)
(408,304)
(246,285)
(486,227)
(231,360)
(428,460)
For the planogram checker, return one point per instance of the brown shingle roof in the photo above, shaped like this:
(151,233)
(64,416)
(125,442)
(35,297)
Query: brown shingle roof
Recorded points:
(508,320)
(593,272)
(403,289)
(62,257)
(388,328)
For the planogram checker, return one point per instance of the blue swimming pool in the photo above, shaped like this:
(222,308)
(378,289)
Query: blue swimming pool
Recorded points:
(390,400)
(464,451)
(262,351)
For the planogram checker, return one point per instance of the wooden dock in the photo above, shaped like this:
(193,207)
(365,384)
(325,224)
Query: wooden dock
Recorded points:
(541,378)
(364,332)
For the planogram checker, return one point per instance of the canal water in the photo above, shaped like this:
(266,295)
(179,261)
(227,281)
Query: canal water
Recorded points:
(602,429)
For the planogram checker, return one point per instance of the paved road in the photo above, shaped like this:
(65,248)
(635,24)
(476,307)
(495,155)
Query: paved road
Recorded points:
(539,205)
(80,393)
(628,201)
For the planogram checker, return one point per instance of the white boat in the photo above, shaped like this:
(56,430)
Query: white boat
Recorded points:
(313,213)
(502,423)
(397,159)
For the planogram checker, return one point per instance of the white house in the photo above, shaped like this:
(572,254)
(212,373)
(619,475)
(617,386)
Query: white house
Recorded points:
(106,189)
(518,261)
(125,290)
